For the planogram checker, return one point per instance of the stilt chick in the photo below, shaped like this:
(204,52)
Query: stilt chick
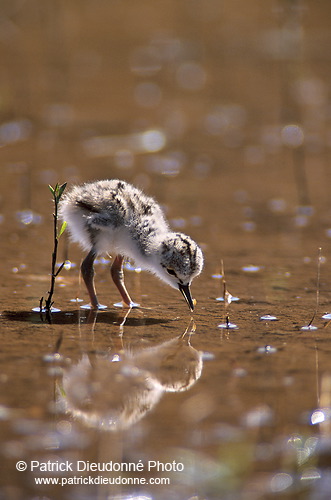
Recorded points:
(112,216)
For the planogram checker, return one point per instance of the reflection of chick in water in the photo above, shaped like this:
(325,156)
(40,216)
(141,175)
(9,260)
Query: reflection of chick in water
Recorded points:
(175,364)
(108,394)
(114,393)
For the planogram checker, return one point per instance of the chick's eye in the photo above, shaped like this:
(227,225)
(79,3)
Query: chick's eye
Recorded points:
(171,271)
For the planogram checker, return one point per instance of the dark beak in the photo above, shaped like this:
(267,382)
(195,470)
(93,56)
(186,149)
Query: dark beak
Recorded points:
(185,290)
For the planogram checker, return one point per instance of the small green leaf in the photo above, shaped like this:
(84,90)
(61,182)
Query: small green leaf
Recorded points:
(63,228)
(52,190)
(60,190)
(56,191)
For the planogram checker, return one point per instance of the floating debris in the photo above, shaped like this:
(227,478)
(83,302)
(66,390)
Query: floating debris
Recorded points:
(89,307)
(54,357)
(217,276)
(229,299)
(309,327)
(43,310)
(267,349)
(251,268)
(67,265)
(228,326)
(133,305)
(115,358)
(268,317)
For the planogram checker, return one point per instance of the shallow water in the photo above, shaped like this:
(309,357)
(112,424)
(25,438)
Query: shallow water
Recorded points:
(221,112)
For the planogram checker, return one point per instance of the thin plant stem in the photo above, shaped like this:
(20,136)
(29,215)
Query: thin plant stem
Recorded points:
(57,193)
(226,296)
(317,285)
(48,302)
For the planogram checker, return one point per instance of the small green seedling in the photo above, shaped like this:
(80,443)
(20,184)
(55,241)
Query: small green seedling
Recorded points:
(57,193)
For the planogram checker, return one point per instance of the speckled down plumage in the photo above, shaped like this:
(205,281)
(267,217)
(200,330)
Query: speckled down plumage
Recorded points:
(114,216)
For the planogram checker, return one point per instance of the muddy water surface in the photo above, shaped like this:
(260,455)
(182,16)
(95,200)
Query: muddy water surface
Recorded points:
(222,113)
